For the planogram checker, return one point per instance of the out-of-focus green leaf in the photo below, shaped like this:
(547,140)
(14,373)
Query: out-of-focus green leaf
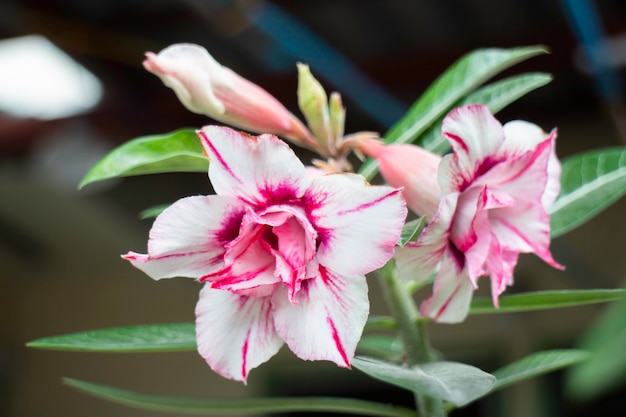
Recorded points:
(178,151)
(536,364)
(143,338)
(382,346)
(381,323)
(590,182)
(454,382)
(227,406)
(541,300)
(605,370)
(152,212)
(460,79)
(495,96)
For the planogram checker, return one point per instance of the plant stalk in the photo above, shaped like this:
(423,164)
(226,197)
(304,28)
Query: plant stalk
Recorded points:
(416,344)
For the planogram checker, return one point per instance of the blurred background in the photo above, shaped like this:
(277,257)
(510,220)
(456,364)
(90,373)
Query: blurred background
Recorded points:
(72,87)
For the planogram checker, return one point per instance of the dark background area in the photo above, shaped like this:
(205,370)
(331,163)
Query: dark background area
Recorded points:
(60,270)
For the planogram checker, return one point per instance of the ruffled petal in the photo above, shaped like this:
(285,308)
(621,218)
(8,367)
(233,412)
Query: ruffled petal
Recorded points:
(475,136)
(358,224)
(235,333)
(522,137)
(327,319)
(524,227)
(417,261)
(187,239)
(259,170)
(483,248)
(452,292)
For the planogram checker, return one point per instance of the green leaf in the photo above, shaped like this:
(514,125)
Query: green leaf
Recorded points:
(605,369)
(412,230)
(225,406)
(463,77)
(381,346)
(381,323)
(454,382)
(495,96)
(540,300)
(178,151)
(590,182)
(152,212)
(144,338)
(536,364)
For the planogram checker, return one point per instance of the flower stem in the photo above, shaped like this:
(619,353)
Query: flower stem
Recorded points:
(416,344)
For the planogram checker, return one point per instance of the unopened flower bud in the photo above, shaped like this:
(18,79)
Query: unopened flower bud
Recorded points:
(411,167)
(206,87)
(313,103)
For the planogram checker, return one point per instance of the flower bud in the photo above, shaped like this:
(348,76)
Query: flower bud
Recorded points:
(313,103)
(411,167)
(206,87)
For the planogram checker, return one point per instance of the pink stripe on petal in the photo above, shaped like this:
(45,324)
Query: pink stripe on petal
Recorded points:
(338,343)
(244,356)
(235,333)
(327,319)
(214,153)
(358,224)
(452,294)
(369,204)
(458,141)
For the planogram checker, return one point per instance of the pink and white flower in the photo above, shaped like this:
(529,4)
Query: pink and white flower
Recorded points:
(282,254)
(204,86)
(495,188)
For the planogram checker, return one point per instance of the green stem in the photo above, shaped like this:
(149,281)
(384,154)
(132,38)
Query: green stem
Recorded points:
(416,344)
(239,405)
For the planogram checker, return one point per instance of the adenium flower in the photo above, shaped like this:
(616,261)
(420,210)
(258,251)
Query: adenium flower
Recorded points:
(494,189)
(282,254)
(204,86)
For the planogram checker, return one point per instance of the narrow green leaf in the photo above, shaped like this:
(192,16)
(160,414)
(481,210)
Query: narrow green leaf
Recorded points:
(152,212)
(454,382)
(605,369)
(590,182)
(460,79)
(144,338)
(495,96)
(412,230)
(222,406)
(536,364)
(178,151)
(541,300)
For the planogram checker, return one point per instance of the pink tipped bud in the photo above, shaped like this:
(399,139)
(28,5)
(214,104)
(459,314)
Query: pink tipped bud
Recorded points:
(206,87)
(411,167)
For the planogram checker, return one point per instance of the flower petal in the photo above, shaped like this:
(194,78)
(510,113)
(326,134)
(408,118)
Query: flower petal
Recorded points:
(328,318)
(259,170)
(235,333)
(523,136)
(475,136)
(358,224)
(452,292)
(417,261)
(187,239)
(524,227)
